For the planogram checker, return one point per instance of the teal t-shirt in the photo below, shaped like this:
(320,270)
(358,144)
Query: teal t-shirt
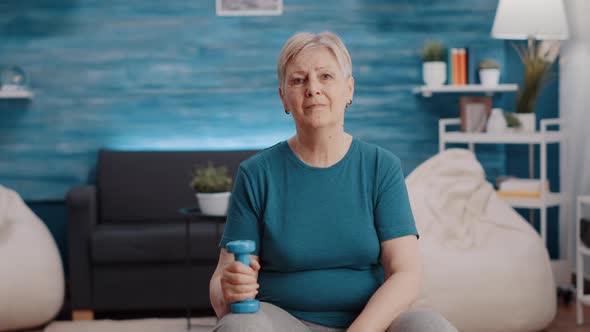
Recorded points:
(318,230)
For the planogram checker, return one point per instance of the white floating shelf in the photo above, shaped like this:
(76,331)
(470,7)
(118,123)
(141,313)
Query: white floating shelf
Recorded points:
(16,94)
(427,91)
(551,199)
(503,138)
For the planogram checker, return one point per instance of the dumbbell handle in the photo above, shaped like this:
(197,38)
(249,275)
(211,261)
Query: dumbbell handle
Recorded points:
(243,258)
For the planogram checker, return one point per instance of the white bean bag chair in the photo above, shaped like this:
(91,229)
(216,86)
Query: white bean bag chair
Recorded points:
(31,273)
(485,268)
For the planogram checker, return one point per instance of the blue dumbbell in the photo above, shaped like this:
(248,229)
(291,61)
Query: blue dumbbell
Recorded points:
(242,250)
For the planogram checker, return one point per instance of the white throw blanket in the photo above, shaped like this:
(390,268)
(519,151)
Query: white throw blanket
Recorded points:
(450,198)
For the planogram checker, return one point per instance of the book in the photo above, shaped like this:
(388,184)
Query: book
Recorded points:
(518,194)
(462,67)
(471,66)
(450,66)
(518,184)
(521,188)
(455,61)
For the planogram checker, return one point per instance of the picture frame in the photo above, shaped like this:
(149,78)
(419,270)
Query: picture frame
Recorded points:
(475,112)
(248,7)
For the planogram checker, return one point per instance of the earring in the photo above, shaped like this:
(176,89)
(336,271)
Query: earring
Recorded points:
(348,104)
(287,112)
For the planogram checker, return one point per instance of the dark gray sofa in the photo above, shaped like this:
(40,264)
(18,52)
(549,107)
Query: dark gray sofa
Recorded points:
(127,238)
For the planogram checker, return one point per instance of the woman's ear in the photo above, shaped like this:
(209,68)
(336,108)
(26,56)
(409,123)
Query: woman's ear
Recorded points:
(282,94)
(350,87)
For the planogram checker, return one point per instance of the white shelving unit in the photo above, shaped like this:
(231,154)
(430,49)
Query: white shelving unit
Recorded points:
(581,251)
(18,94)
(542,138)
(427,91)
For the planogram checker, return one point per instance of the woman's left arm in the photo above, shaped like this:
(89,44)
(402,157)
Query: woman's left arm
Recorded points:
(402,265)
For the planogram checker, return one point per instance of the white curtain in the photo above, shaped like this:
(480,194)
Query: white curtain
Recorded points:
(574,110)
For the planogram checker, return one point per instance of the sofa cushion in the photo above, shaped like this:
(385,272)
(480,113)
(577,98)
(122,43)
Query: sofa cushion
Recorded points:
(152,185)
(154,243)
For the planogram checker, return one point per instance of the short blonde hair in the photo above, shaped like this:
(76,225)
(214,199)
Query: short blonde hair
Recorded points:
(306,40)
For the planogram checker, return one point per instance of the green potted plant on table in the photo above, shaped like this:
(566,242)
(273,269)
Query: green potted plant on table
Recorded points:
(212,187)
(489,72)
(538,60)
(434,67)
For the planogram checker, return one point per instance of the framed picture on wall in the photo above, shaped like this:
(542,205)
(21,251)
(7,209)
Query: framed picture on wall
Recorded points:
(475,112)
(248,7)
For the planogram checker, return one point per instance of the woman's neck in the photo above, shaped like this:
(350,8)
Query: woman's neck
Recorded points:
(320,149)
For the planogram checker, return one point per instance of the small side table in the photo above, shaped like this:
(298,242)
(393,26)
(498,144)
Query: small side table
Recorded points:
(581,251)
(191,213)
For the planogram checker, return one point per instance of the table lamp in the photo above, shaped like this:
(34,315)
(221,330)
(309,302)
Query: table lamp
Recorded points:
(530,19)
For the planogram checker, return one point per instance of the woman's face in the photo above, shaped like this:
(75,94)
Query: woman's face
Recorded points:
(315,90)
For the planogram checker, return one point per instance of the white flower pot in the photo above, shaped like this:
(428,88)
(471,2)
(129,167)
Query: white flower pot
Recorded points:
(434,73)
(527,121)
(213,204)
(489,77)
(496,122)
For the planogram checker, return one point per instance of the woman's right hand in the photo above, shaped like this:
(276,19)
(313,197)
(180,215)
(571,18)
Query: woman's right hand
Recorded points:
(240,282)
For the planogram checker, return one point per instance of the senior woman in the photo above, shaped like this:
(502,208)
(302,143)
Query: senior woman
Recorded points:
(336,243)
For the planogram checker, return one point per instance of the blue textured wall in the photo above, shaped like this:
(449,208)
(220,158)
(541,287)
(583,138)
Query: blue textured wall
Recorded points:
(147,74)
(172,75)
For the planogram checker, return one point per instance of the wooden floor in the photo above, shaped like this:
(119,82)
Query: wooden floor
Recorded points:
(565,321)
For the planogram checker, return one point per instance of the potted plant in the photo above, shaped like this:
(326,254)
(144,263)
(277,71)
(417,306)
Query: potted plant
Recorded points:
(489,72)
(512,122)
(213,189)
(538,60)
(434,67)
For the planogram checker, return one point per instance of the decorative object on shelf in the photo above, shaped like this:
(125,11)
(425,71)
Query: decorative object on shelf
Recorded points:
(13,79)
(434,67)
(248,7)
(532,20)
(496,122)
(212,186)
(538,60)
(489,72)
(526,122)
(474,113)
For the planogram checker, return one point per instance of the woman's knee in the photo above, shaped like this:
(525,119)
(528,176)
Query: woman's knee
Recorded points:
(243,323)
(421,320)
(268,318)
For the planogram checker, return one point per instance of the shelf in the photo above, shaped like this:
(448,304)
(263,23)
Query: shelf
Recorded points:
(19,94)
(502,138)
(551,199)
(427,91)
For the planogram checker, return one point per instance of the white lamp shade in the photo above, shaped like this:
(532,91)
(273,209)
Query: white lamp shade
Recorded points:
(521,19)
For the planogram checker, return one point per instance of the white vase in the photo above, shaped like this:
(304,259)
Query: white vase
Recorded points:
(434,73)
(527,121)
(489,76)
(213,204)
(496,122)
